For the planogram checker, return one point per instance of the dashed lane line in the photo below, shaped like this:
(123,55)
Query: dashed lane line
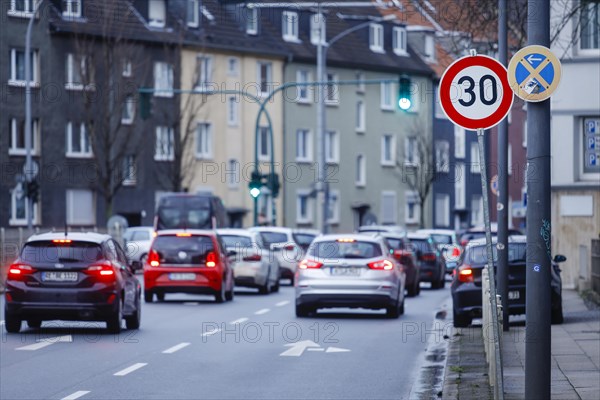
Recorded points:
(175,348)
(282,303)
(129,370)
(210,333)
(76,395)
(263,311)
(239,321)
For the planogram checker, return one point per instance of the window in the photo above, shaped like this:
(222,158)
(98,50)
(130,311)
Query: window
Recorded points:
(459,186)
(399,40)
(204,141)
(264,147)
(360,116)
(129,170)
(232,110)
(16,146)
(459,142)
(18,207)
(303,76)
(164,148)
(71,8)
(413,208)
(78,72)
(429,48)
(193,14)
(127,69)
(157,13)
(411,151)
(81,207)
(304,145)
(317,29)
(387,90)
(388,150)
(233,66)
(591,148)
(476,210)
(233,173)
(332,147)
(128,110)
(289,27)
(303,207)
(442,156)
(360,86)
(360,177)
(252,21)
(442,210)
(203,72)
(264,77)
(589,31)
(332,89)
(21,8)
(78,141)
(333,207)
(163,79)
(376,38)
(17,68)
(475,166)
(389,207)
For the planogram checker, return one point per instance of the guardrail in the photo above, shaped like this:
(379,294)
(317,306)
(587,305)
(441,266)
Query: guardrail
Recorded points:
(492,319)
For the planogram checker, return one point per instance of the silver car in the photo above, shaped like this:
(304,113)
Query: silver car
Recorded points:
(137,241)
(253,265)
(349,271)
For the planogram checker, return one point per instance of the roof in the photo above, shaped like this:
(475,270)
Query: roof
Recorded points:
(511,239)
(171,232)
(419,236)
(92,237)
(232,231)
(437,231)
(353,236)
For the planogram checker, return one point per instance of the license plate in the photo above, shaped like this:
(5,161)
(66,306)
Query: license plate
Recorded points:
(59,276)
(182,277)
(345,271)
(514,295)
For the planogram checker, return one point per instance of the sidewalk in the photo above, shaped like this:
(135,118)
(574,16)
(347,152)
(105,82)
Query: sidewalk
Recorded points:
(575,358)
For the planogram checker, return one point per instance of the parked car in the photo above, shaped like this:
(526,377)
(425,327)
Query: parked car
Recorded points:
(72,276)
(382,229)
(190,261)
(349,271)
(402,251)
(431,263)
(253,265)
(466,283)
(447,243)
(288,244)
(479,232)
(137,244)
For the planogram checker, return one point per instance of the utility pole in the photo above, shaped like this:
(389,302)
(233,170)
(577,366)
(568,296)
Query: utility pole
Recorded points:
(537,302)
(322,95)
(502,200)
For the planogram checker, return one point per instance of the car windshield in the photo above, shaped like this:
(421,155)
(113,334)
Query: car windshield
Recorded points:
(334,249)
(477,255)
(235,241)
(270,238)
(182,250)
(441,239)
(50,252)
(303,239)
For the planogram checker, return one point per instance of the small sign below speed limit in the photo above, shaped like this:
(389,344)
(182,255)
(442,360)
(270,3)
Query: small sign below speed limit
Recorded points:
(475,93)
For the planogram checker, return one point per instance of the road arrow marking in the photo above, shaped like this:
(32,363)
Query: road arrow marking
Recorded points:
(531,59)
(41,343)
(239,321)
(263,311)
(316,349)
(129,370)
(296,349)
(282,303)
(76,395)
(336,350)
(175,348)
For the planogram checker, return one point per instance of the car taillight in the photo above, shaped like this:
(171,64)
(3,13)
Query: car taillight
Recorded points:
(455,252)
(381,265)
(465,274)
(253,257)
(464,242)
(309,264)
(211,259)
(104,271)
(428,257)
(153,259)
(17,272)
(289,247)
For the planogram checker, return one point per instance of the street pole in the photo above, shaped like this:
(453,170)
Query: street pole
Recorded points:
(321,93)
(537,301)
(502,200)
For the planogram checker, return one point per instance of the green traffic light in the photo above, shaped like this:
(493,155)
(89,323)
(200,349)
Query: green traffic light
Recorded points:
(255,192)
(404,103)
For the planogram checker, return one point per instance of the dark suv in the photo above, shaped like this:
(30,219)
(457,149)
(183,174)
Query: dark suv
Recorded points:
(431,264)
(403,252)
(74,276)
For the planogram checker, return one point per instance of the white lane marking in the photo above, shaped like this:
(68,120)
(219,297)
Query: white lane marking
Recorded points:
(46,342)
(175,348)
(239,321)
(210,333)
(282,303)
(336,350)
(263,311)
(316,349)
(129,370)
(296,349)
(76,395)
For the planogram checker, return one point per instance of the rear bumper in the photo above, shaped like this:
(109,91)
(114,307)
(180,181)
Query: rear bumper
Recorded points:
(158,280)
(323,300)
(429,272)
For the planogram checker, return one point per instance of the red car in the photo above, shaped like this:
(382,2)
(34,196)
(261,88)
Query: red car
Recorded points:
(190,261)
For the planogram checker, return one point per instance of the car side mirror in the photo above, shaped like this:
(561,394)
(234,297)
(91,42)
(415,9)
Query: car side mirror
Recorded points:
(559,258)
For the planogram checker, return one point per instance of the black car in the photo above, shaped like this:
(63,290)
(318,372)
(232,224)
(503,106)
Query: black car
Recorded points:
(432,267)
(403,252)
(74,276)
(466,281)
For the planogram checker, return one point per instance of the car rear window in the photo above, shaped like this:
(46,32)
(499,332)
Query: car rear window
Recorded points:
(182,250)
(349,250)
(303,239)
(441,239)
(421,244)
(396,244)
(234,241)
(140,235)
(64,253)
(270,238)
(477,255)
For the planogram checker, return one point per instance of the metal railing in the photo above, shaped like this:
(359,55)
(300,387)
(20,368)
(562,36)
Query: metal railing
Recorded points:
(492,321)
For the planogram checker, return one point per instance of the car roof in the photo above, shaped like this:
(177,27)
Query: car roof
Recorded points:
(418,235)
(234,231)
(167,232)
(354,236)
(279,229)
(92,237)
(387,228)
(511,239)
(448,232)
(387,235)
(315,232)
(140,228)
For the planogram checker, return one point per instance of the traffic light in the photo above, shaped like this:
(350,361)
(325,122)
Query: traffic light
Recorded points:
(255,184)
(145,105)
(273,184)
(404,95)
(33,191)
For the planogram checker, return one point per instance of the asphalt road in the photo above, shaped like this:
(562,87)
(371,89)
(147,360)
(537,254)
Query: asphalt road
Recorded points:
(252,348)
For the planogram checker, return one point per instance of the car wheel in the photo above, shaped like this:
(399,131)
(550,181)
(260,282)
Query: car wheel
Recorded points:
(302,311)
(461,320)
(275,287)
(556,316)
(442,282)
(133,321)
(229,294)
(418,286)
(160,296)
(401,308)
(292,280)
(113,324)
(220,295)
(412,289)
(143,260)
(12,324)
(148,296)
(34,323)
(264,289)
(393,310)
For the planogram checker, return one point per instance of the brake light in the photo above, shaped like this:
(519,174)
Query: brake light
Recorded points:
(346,240)
(289,247)
(386,265)
(104,271)
(253,257)
(18,272)
(455,252)
(309,264)
(62,241)
(153,259)
(428,257)
(465,274)
(183,234)
(464,242)
(211,259)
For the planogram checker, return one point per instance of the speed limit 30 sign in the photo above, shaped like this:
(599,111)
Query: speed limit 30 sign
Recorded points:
(475,93)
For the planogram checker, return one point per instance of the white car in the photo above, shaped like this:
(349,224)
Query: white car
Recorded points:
(137,241)
(253,265)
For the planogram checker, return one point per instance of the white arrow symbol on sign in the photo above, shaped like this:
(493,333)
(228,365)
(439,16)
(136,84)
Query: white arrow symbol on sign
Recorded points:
(41,343)
(531,59)
(298,348)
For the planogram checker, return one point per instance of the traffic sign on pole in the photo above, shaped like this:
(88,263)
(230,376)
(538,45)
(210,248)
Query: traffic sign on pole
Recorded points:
(474,92)
(534,73)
